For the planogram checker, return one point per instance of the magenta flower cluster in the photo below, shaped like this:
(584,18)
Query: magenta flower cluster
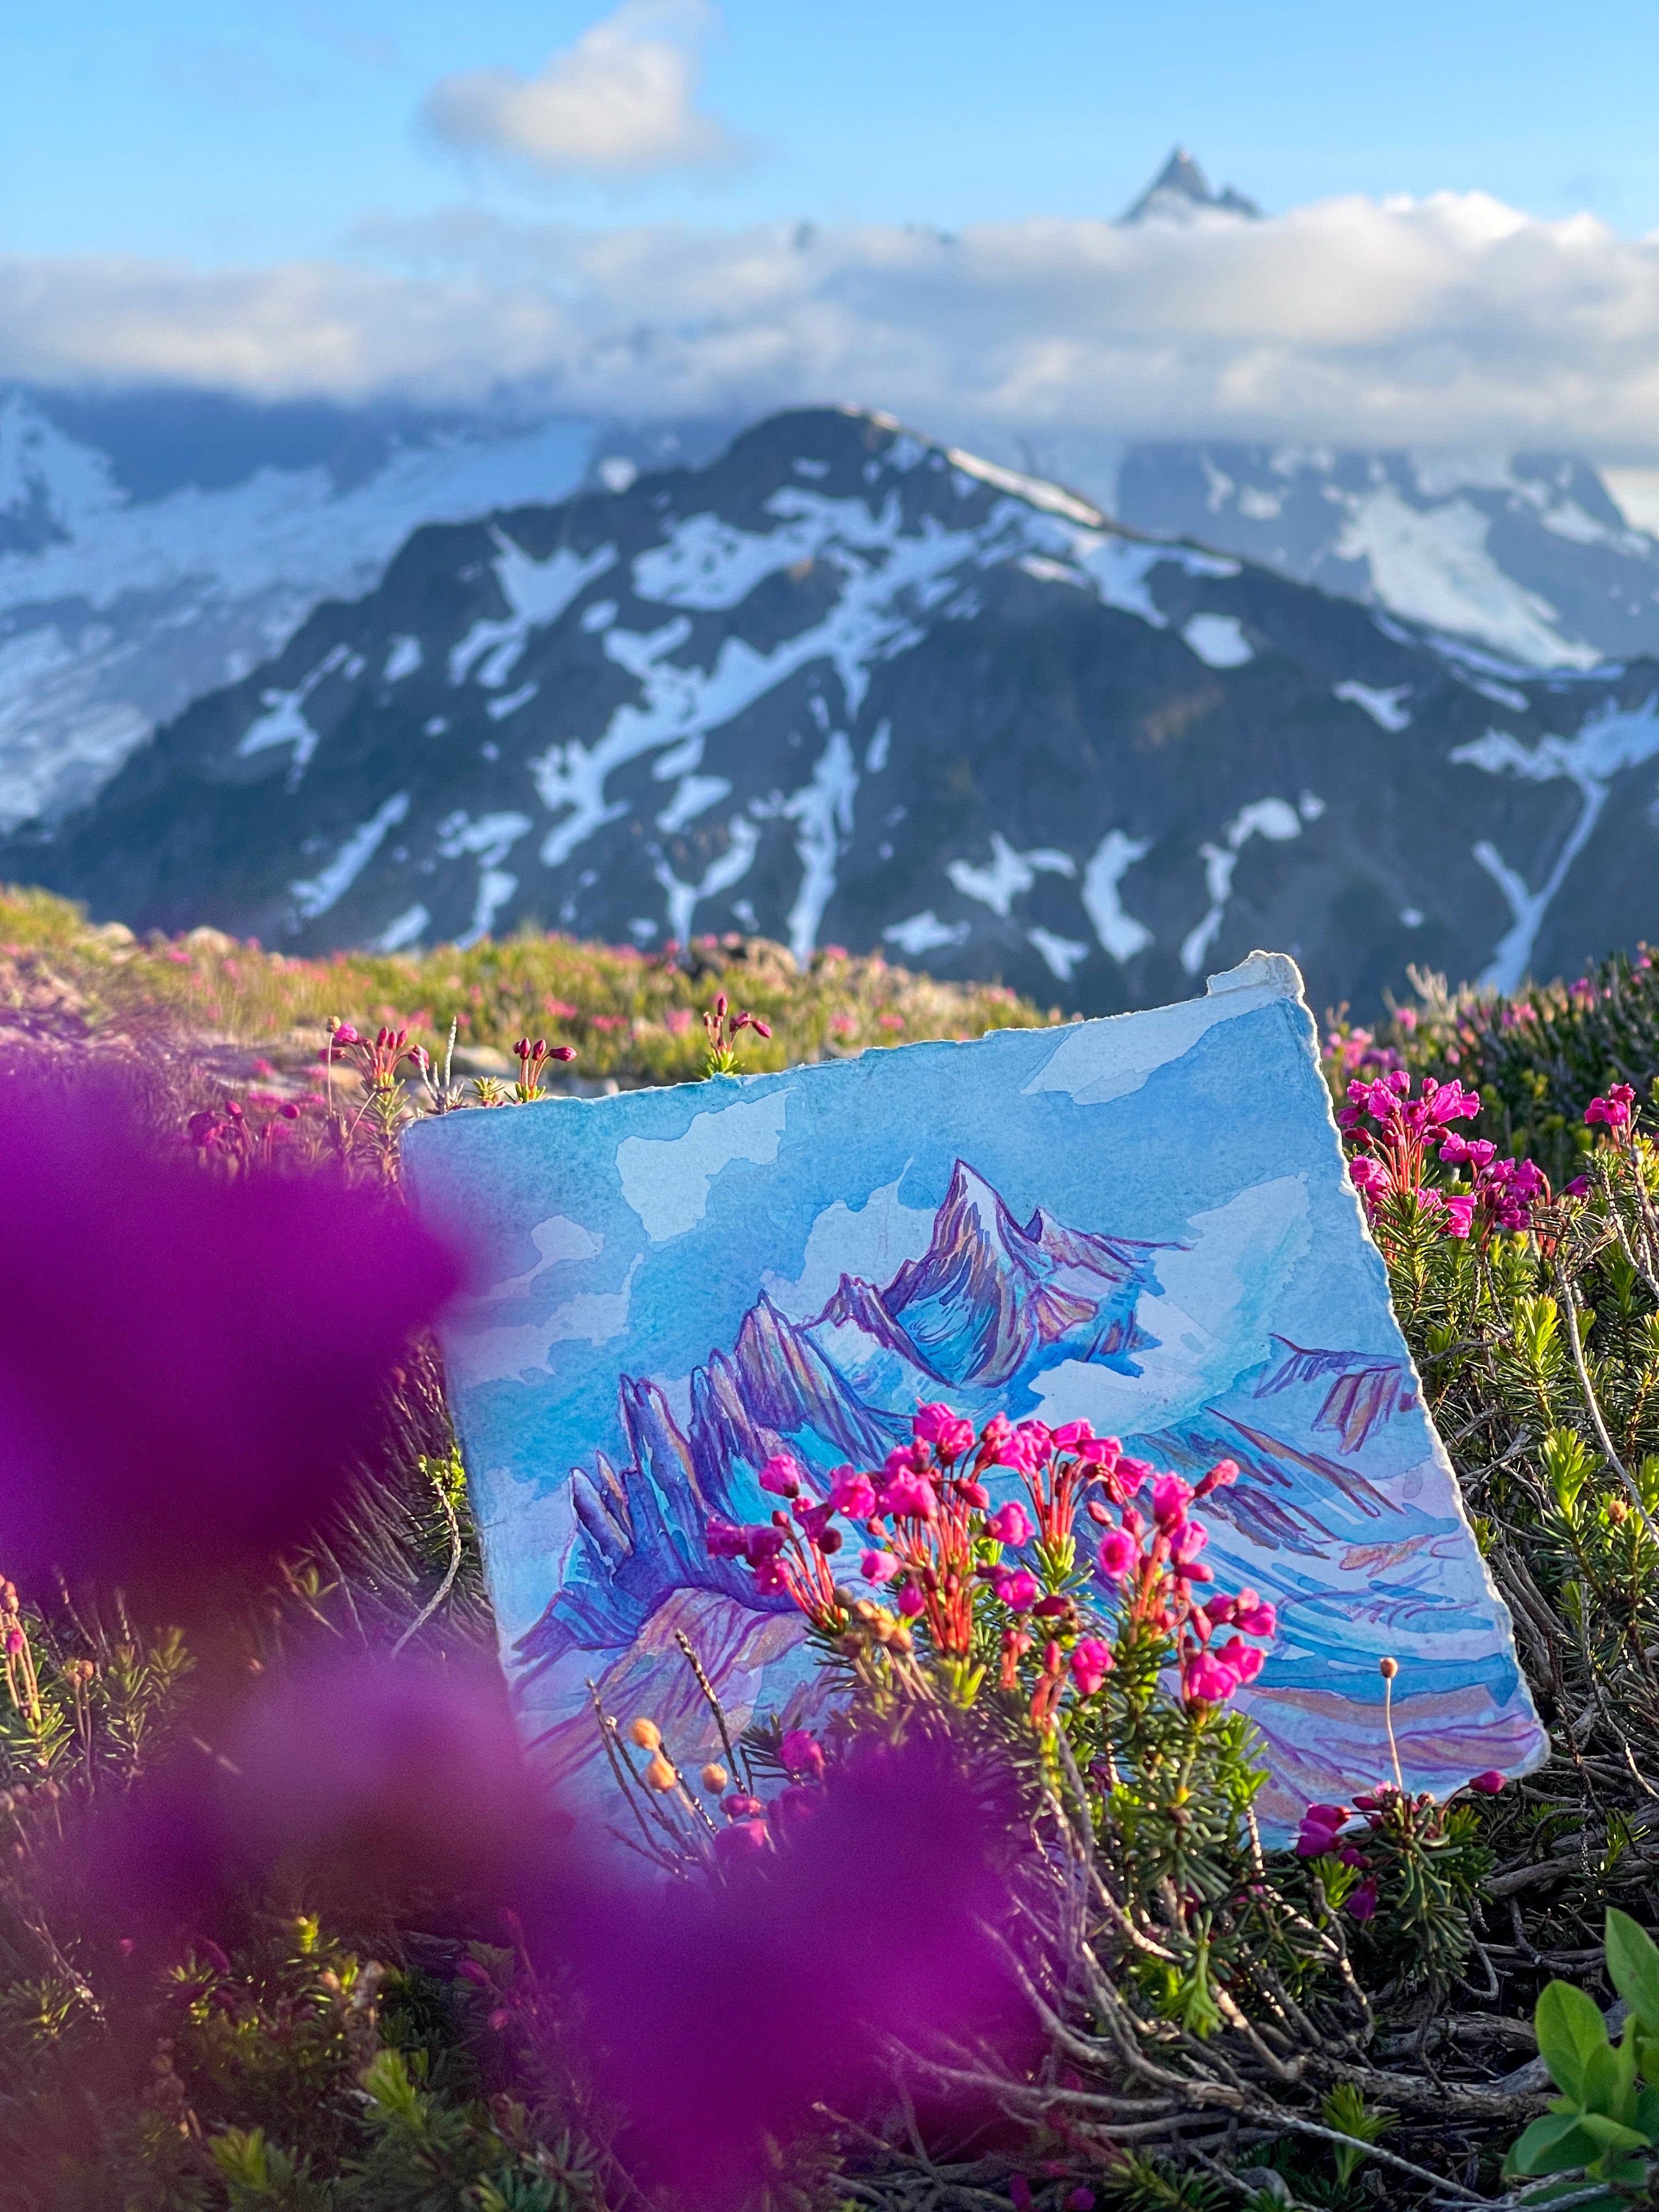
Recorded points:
(1392,1157)
(1152,1557)
(1614,1110)
(1342,1832)
(930,1537)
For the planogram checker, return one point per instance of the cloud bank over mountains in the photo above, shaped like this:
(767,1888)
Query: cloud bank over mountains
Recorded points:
(1417,322)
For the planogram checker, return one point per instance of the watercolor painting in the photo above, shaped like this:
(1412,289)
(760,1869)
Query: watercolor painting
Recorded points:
(1145,1221)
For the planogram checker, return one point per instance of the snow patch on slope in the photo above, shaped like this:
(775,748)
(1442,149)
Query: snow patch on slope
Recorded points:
(1607,743)
(1433,567)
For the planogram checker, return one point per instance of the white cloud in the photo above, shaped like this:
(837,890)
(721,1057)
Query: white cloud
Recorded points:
(620,103)
(666,1179)
(1098,1061)
(1430,322)
(872,1241)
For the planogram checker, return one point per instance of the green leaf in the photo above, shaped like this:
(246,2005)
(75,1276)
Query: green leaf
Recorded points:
(1609,2084)
(1633,1967)
(1612,2135)
(1547,2145)
(1569,2028)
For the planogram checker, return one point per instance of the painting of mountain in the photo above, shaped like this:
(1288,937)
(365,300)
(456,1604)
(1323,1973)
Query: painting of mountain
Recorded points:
(1145,1221)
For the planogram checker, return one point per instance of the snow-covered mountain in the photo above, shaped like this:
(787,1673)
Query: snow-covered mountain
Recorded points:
(1180,190)
(1526,553)
(155,545)
(843,684)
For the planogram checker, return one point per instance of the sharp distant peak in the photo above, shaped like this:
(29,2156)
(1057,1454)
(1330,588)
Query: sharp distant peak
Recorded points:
(1179,189)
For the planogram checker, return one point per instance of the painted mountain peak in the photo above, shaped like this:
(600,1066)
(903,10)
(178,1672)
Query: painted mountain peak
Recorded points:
(989,1306)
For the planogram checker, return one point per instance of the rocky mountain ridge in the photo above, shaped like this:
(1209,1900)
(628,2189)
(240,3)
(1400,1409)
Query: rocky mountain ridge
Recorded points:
(845,684)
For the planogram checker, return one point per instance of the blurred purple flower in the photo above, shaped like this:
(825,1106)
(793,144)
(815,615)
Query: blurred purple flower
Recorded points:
(722,2012)
(364,1782)
(188,1366)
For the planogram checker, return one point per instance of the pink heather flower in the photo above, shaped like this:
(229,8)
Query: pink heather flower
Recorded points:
(1316,1837)
(1478,1152)
(1221,1476)
(1170,1498)
(1019,1590)
(1615,1108)
(1209,1681)
(781,1476)
(761,1544)
(1579,1187)
(770,1579)
(1131,1472)
(948,1433)
(743,1839)
(1244,1660)
(879,1566)
(1367,1174)
(724,1540)
(1361,1905)
(907,1498)
(740,1806)
(994,1436)
(1189,1539)
(801,1753)
(1488,1783)
(815,1525)
(1011,1524)
(1029,1449)
(905,1459)
(1074,1434)
(911,1601)
(1091,1662)
(1255,1615)
(852,1494)
(1458,1215)
(1116,1554)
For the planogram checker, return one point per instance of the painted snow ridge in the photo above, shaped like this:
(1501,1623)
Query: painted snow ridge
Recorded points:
(1526,554)
(841,687)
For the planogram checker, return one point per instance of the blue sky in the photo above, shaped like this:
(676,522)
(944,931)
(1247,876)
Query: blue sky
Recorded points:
(665,209)
(237,132)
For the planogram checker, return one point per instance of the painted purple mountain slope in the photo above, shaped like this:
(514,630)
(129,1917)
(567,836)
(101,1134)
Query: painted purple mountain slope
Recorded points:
(1365,1393)
(989,1296)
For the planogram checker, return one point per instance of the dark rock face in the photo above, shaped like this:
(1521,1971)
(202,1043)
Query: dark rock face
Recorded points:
(842,685)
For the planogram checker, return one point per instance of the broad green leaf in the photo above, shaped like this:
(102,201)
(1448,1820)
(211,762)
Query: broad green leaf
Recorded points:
(1633,1967)
(1611,2135)
(1609,2084)
(1547,2145)
(1568,2029)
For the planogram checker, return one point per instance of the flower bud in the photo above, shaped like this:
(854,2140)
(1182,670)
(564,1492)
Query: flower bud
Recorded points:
(659,1774)
(714,1778)
(1388,1669)
(645,1734)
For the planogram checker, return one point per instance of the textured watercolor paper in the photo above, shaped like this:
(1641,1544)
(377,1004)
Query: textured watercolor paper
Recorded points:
(1145,1221)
